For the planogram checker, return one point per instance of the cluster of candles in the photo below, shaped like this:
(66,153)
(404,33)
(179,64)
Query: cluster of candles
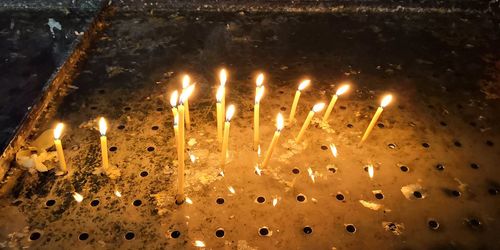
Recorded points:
(182,121)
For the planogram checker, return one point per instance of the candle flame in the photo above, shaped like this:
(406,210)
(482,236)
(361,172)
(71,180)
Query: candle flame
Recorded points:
(102,126)
(118,194)
(333,148)
(260,80)
(193,158)
(223,77)
(370,171)
(221,173)
(275,201)
(173,98)
(199,243)
(78,197)
(188,200)
(58,131)
(387,99)
(258,151)
(304,84)
(342,89)
(186,93)
(259,94)
(229,112)
(220,93)
(318,107)
(279,122)
(311,174)
(185,81)
(231,189)
(257,170)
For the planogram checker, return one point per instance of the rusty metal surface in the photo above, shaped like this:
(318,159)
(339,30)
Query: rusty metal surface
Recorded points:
(443,70)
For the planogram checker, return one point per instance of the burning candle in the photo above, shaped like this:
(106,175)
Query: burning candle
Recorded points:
(225,141)
(223,80)
(274,141)
(329,109)
(301,87)
(220,112)
(59,148)
(256,118)
(173,102)
(187,90)
(370,171)
(318,107)
(387,99)
(179,199)
(104,143)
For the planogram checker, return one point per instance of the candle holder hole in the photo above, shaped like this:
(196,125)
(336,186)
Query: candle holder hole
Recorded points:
(144,173)
(474,223)
(350,228)
(301,198)
(283,108)
(220,200)
(433,224)
(417,194)
(379,196)
(380,125)
(443,124)
(332,169)
(127,108)
(83,236)
(307,230)
(263,231)
(151,149)
(456,193)
(340,197)
(137,203)
(490,143)
(261,199)
(474,165)
(350,125)
(175,234)
(404,168)
(94,203)
(425,145)
(457,144)
(50,203)
(493,191)
(295,171)
(440,167)
(121,126)
(113,149)
(93,107)
(35,236)
(391,145)
(159,109)
(343,107)
(323,147)
(219,233)
(129,236)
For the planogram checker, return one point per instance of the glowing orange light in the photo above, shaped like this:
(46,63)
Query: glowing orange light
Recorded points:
(318,107)
(304,84)
(103,127)
(223,77)
(58,131)
(342,89)
(173,98)
(387,99)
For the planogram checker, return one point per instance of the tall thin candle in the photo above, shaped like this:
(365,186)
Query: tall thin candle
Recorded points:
(104,144)
(274,141)
(256,117)
(329,109)
(387,99)
(301,87)
(220,115)
(186,89)
(59,148)
(225,141)
(318,107)
(180,152)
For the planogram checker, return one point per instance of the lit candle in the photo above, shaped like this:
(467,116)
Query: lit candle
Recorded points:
(173,102)
(329,109)
(387,99)
(318,107)
(225,141)
(223,80)
(274,141)
(179,199)
(301,87)
(59,148)
(220,112)
(186,88)
(256,118)
(104,144)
